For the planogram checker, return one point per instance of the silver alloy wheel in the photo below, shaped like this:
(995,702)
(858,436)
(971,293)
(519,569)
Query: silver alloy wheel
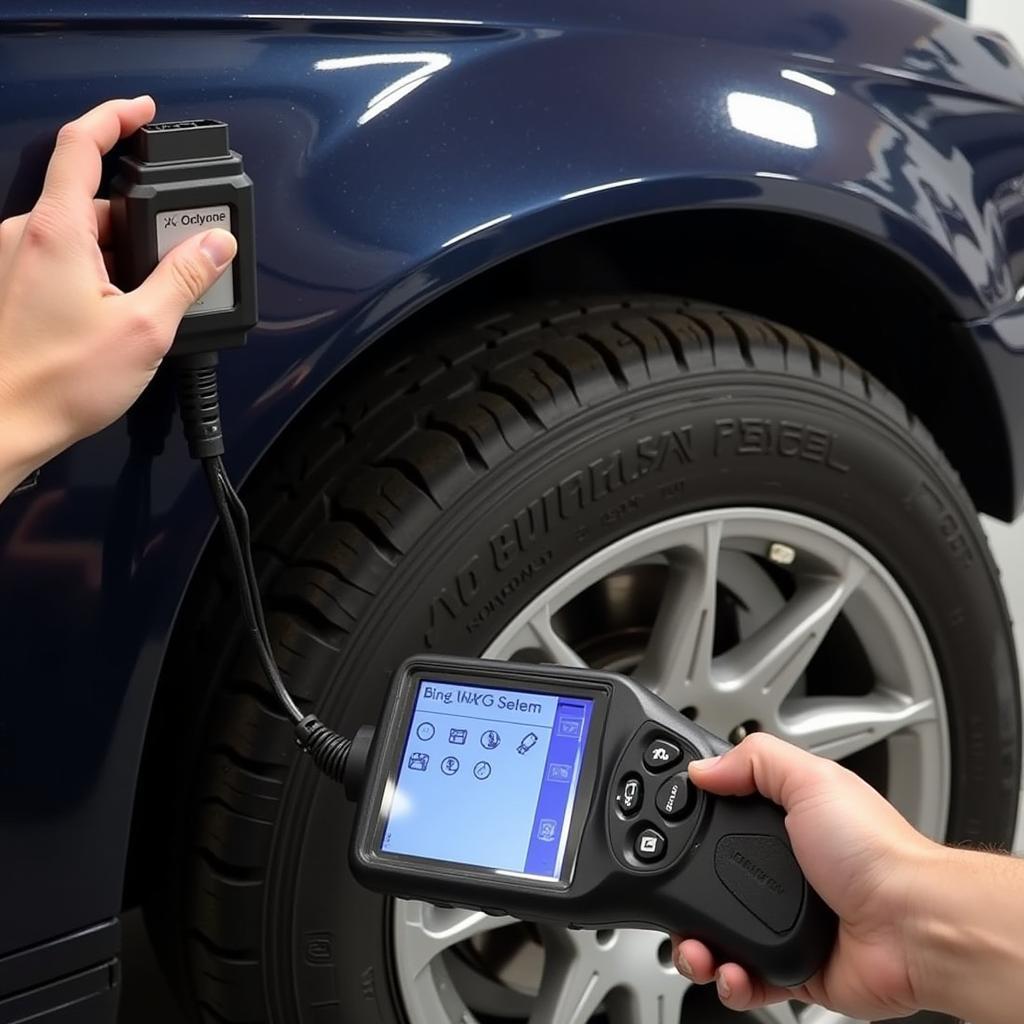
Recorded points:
(788,579)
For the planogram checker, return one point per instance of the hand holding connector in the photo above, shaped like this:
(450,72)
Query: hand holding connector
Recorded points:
(76,351)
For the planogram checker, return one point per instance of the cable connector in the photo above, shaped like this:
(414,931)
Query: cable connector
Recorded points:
(340,759)
(200,404)
(328,750)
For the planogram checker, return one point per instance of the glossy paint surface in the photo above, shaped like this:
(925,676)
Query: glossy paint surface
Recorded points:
(396,150)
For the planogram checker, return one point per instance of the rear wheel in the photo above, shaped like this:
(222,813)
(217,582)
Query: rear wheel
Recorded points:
(733,513)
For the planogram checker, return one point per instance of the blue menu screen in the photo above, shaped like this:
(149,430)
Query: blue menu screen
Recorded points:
(488,777)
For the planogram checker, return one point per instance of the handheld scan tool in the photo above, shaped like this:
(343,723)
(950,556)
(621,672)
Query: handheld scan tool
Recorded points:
(561,795)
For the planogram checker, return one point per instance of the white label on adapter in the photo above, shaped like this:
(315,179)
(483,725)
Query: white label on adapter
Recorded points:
(174,226)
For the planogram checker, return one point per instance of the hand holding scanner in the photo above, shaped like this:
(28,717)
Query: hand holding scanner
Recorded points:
(561,795)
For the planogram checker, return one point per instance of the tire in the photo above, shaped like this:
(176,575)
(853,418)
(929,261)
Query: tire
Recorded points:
(446,485)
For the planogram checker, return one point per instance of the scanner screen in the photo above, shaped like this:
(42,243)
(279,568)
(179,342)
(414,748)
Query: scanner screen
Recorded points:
(488,777)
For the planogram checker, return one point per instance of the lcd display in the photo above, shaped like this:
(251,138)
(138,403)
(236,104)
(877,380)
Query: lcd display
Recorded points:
(488,777)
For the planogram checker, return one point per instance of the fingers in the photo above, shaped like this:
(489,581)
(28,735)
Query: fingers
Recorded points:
(11,231)
(693,960)
(761,763)
(182,277)
(739,991)
(736,988)
(73,175)
(101,207)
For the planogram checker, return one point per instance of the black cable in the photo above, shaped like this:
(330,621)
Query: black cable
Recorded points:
(200,414)
(251,605)
(241,517)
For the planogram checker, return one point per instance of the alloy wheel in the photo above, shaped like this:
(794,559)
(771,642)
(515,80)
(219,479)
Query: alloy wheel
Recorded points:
(744,619)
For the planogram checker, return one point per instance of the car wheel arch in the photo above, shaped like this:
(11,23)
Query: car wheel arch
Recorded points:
(602,258)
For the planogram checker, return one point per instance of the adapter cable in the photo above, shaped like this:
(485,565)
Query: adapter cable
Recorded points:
(175,180)
(199,402)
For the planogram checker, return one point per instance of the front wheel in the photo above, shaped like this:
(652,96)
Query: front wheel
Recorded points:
(731,512)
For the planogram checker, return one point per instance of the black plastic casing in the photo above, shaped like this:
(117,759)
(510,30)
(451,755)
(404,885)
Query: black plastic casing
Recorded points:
(730,878)
(179,165)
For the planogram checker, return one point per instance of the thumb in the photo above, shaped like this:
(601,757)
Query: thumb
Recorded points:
(185,274)
(762,764)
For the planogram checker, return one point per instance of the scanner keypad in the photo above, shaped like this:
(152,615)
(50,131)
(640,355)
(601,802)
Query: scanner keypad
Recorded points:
(653,810)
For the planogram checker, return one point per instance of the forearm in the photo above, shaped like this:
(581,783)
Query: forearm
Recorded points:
(966,936)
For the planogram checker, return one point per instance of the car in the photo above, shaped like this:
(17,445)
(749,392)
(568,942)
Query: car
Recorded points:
(685,341)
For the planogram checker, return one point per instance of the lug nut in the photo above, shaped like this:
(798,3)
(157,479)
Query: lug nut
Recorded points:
(781,554)
(743,730)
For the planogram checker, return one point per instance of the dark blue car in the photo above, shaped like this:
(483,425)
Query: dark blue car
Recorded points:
(681,339)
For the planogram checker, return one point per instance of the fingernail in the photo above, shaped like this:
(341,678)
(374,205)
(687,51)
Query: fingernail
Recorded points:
(704,763)
(144,96)
(682,965)
(724,992)
(219,247)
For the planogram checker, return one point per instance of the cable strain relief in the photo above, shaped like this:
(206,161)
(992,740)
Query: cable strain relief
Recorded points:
(358,758)
(327,748)
(199,401)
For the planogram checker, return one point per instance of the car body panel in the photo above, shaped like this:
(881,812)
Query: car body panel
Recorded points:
(397,151)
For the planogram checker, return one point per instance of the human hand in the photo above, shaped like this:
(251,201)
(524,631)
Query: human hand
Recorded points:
(76,352)
(860,855)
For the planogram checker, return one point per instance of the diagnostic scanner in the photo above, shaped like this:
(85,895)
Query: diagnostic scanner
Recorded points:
(561,795)
(181,178)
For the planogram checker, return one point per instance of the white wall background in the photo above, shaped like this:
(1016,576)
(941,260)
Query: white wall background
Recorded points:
(1007,541)
(1005,15)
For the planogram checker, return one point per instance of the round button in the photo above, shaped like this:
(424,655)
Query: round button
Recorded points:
(649,845)
(662,754)
(629,795)
(674,797)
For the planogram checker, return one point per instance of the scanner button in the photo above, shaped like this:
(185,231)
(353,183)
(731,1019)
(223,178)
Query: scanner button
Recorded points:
(662,754)
(649,845)
(674,798)
(630,794)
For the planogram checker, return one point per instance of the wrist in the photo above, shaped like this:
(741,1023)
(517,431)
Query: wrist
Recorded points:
(932,940)
(20,451)
(962,934)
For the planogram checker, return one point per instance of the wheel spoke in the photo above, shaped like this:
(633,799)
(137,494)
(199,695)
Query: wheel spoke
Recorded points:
(836,727)
(778,1013)
(820,1015)
(677,662)
(767,664)
(429,930)
(539,632)
(656,1001)
(573,985)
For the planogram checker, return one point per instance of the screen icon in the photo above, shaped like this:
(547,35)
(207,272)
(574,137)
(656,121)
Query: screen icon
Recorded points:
(450,765)
(490,740)
(527,742)
(547,830)
(425,731)
(482,770)
(457,736)
(559,772)
(568,726)
(418,762)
